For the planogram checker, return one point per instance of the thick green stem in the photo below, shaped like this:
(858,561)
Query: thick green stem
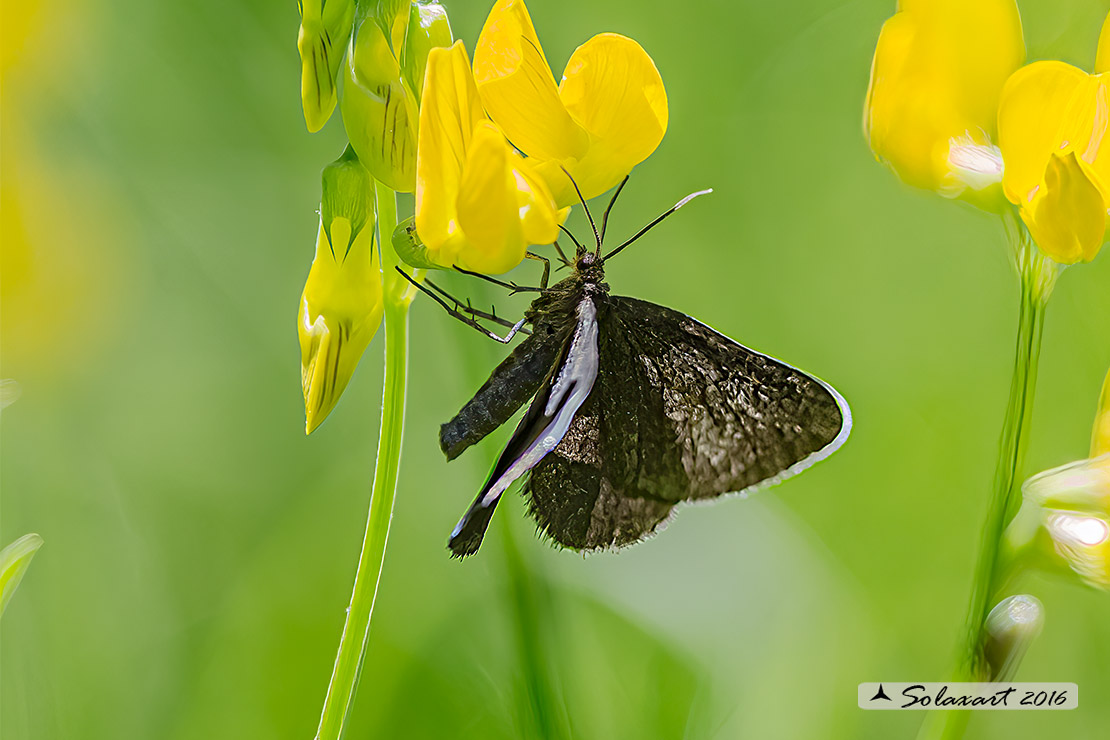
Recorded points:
(356,628)
(531,600)
(993,571)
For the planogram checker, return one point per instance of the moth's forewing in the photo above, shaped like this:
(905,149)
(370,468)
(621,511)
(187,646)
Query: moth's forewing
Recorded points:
(509,386)
(738,418)
(567,386)
(679,412)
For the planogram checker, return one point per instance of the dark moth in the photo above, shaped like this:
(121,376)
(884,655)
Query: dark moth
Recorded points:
(635,408)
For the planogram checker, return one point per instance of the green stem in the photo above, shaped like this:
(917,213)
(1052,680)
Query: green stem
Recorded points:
(356,628)
(993,571)
(531,600)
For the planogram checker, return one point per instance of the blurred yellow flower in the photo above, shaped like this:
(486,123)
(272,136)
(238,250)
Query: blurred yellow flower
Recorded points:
(1052,120)
(325,29)
(932,101)
(607,115)
(341,306)
(379,103)
(478,202)
(1102,56)
(1065,515)
(1100,438)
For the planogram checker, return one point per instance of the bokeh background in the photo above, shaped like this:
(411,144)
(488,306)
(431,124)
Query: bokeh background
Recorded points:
(159,191)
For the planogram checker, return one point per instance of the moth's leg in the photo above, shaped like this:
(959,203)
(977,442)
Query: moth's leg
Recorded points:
(562,257)
(474,312)
(513,288)
(546,268)
(458,314)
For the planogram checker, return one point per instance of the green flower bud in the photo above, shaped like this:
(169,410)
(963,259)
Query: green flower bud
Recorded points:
(428,28)
(325,30)
(1011,628)
(380,110)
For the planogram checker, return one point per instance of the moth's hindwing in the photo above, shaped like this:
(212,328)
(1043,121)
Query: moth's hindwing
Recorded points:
(678,412)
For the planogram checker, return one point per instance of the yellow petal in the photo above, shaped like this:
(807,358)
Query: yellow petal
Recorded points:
(1100,439)
(341,308)
(937,73)
(1102,57)
(379,110)
(517,87)
(539,220)
(1067,214)
(612,89)
(1035,120)
(450,113)
(488,206)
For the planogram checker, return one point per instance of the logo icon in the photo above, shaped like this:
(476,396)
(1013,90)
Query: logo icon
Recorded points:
(880,694)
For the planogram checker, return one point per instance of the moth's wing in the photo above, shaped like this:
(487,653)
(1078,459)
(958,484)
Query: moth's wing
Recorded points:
(567,386)
(510,384)
(732,418)
(678,412)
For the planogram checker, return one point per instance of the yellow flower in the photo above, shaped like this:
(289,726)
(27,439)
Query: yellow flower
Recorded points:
(605,117)
(341,307)
(1100,438)
(325,29)
(478,202)
(1065,515)
(1052,125)
(1102,56)
(932,102)
(379,103)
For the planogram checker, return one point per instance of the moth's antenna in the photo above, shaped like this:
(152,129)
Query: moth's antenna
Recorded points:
(577,243)
(605,217)
(586,208)
(656,221)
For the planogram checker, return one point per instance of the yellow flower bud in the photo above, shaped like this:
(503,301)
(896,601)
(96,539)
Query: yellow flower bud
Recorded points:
(325,29)
(341,306)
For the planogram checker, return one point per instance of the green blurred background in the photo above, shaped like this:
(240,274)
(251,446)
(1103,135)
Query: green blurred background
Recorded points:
(159,191)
